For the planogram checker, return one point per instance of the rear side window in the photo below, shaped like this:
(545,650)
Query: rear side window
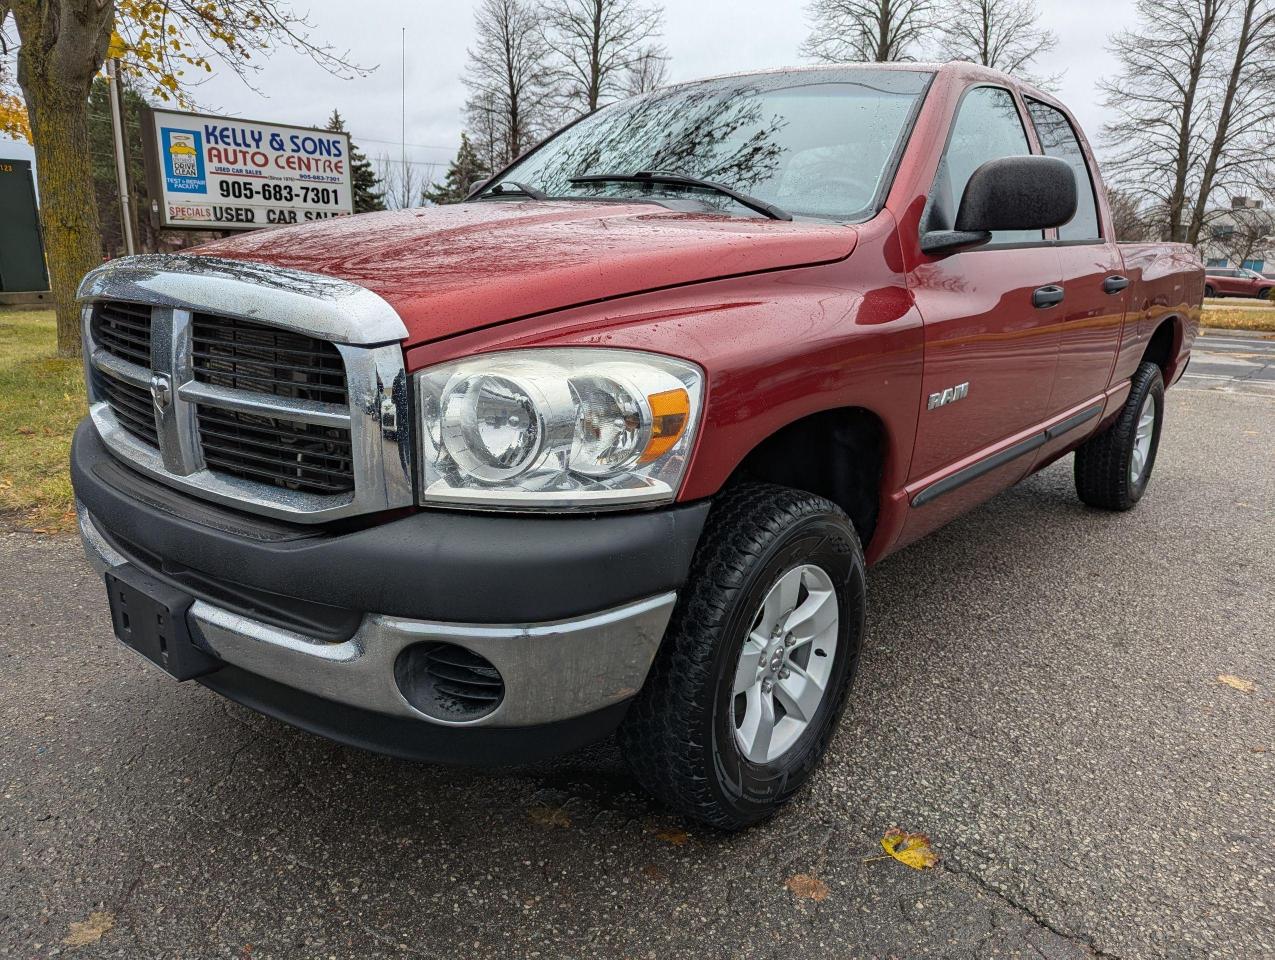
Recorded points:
(987,127)
(1060,140)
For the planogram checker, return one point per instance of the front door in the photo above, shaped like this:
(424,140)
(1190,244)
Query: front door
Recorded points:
(991,334)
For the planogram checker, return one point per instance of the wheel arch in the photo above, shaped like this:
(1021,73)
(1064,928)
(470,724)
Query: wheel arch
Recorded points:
(838,453)
(1165,345)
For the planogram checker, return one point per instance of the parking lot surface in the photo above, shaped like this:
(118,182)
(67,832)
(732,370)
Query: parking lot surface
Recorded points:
(1039,693)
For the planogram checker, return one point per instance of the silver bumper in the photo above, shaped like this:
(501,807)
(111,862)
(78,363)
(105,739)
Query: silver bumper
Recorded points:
(552,671)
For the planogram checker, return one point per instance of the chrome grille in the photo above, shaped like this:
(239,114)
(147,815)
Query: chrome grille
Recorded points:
(271,390)
(297,456)
(251,356)
(131,405)
(124,330)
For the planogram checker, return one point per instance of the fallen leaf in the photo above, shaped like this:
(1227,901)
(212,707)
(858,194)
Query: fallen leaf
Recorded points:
(1238,683)
(549,816)
(672,835)
(807,887)
(654,873)
(910,849)
(1256,749)
(89,931)
(26,431)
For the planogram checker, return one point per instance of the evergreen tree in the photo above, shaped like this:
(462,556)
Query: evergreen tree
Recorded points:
(461,173)
(366,195)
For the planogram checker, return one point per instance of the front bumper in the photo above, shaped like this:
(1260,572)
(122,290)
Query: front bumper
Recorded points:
(567,675)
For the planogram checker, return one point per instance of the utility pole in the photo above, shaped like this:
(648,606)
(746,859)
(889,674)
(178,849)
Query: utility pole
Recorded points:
(121,165)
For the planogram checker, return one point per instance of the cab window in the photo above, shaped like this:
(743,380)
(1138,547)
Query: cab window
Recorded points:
(987,127)
(1059,139)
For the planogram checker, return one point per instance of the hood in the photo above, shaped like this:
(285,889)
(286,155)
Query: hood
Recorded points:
(447,270)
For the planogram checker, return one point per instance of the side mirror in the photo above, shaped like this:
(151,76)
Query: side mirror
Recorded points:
(476,185)
(1012,193)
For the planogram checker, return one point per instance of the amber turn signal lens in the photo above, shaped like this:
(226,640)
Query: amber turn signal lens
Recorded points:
(670,411)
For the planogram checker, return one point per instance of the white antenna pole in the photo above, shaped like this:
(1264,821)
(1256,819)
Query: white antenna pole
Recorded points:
(403,92)
(121,165)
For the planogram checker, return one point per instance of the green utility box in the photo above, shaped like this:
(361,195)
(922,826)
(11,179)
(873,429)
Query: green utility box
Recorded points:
(22,266)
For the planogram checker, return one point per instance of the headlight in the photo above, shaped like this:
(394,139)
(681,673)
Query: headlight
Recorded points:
(534,429)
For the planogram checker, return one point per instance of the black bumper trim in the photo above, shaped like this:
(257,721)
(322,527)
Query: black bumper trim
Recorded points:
(410,739)
(430,565)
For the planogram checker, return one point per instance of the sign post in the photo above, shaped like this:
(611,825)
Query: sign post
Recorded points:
(121,165)
(217,173)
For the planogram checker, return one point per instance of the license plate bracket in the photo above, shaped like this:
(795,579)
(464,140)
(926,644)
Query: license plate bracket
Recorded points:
(149,617)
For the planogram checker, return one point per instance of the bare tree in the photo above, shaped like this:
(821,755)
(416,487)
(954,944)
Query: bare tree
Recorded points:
(1128,219)
(1159,100)
(1002,34)
(844,31)
(1239,152)
(403,180)
(647,72)
(595,44)
(509,80)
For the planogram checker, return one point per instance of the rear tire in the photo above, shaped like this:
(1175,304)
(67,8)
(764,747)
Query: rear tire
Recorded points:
(1114,467)
(1209,291)
(1264,293)
(694,735)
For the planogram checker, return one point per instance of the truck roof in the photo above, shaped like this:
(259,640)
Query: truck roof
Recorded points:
(955,69)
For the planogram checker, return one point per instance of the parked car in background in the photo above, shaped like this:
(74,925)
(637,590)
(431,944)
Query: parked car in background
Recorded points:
(609,445)
(1236,282)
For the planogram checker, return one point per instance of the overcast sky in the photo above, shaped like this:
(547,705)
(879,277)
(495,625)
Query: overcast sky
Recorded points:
(704,37)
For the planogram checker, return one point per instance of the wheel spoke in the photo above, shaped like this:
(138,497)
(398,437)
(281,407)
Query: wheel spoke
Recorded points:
(749,663)
(816,614)
(800,693)
(781,600)
(759,724)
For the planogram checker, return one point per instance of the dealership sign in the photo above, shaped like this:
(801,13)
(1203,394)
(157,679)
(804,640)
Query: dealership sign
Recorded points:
(214,173)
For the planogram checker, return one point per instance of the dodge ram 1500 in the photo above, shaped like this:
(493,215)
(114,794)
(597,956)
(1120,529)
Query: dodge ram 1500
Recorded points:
(608,446)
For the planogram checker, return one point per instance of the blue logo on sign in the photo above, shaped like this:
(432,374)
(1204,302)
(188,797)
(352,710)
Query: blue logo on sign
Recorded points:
(183,160)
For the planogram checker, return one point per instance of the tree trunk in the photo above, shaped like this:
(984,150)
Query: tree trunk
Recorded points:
(68,207)
(63,47)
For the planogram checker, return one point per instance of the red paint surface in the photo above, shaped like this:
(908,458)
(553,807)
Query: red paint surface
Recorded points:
(788,319)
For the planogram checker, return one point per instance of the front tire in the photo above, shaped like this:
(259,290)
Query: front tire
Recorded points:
(1114,467)
(1209,291)
(748,685)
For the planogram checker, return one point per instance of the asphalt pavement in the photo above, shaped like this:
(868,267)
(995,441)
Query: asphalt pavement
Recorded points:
(1039,693)
(1233,363)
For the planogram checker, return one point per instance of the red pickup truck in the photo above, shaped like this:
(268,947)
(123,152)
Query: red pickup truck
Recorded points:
(610,445)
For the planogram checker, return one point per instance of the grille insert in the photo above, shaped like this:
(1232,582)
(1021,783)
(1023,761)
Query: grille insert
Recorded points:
(448,682)
(243,355)
(294,456)
(131,406)
(123,330)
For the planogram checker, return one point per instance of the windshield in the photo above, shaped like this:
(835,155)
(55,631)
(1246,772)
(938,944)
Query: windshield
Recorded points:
(818,143)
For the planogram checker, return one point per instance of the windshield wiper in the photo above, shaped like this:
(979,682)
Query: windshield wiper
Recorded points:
(502,188)
(682,180)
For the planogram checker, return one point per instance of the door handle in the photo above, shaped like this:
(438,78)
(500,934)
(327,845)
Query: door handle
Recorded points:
(1114,284)
(1047,296)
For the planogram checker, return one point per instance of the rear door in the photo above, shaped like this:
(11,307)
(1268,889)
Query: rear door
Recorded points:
(1095,286)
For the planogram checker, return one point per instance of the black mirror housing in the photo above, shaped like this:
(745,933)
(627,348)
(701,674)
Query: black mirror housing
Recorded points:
(1018,193)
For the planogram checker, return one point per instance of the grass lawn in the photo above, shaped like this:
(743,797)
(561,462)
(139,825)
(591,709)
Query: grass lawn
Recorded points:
(1251,316)
(41,400)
